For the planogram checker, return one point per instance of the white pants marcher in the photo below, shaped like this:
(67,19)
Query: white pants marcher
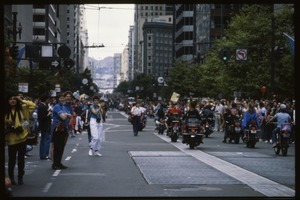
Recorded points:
(97,134)
(78,123)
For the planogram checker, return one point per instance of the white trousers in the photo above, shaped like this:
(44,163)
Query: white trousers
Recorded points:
(78,123)
(97,134)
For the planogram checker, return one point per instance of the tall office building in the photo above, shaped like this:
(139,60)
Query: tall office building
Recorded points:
(210,22)
(184,32)
(145,13)
(117,69)
(131,53)
(74,33)
(51,25)
(158,46)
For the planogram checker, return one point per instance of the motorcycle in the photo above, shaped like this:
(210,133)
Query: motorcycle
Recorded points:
(175,128)
(207,124)
(283,136)
(161,126)
(250,135)
(233,131)
(193,135)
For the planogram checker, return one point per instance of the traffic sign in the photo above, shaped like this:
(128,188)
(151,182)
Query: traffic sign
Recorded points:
(160,79)
(55,63)
(241,54)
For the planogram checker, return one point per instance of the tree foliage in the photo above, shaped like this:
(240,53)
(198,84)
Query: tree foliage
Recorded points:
(251,29)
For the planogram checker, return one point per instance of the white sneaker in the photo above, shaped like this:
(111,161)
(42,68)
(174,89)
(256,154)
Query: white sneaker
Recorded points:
(90,152)
(97,154)
(266,141)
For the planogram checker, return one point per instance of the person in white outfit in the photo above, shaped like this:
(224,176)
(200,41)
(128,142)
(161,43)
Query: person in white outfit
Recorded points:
(96,127)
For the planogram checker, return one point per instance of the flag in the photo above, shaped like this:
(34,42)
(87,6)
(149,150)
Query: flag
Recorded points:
(291,42)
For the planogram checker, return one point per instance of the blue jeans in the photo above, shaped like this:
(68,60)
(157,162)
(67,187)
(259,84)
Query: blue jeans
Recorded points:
(274,132)
(45,143)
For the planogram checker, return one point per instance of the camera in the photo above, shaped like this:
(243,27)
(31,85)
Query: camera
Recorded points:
(98,120)
(12,129)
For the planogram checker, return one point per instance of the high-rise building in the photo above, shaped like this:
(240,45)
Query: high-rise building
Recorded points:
(117,69)
(124,64)
(145,13)
(158,46)
(210,21)
(53,25)
(184,32)
(131,53)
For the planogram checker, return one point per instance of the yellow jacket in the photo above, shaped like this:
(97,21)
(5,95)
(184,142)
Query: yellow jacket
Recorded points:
(27,109)
(13,137)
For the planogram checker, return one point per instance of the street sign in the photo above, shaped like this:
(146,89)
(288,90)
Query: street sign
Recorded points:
(55,63)
(23,87)
(160,79)
(241,54)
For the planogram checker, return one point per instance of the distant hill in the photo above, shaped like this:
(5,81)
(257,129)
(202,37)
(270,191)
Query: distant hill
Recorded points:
(104,66)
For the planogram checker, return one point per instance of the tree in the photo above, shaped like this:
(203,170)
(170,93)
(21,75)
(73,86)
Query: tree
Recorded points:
(250,28)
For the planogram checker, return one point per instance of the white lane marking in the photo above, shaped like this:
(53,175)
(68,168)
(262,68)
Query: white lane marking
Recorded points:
(258,183)
(47,187)
(107,130)
(56,172)
(73,150)
(68,158)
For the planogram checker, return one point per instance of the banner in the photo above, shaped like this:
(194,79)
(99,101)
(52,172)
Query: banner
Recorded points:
(175,96)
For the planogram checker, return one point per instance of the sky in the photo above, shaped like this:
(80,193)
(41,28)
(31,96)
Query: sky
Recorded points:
(108,24)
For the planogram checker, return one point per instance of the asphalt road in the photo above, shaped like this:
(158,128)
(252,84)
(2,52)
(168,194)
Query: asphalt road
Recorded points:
(150,165)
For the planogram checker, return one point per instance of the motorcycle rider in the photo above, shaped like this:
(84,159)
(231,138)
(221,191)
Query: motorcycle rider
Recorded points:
(171,112)
(192,112)
(230,115)
(250,116)
(282,117)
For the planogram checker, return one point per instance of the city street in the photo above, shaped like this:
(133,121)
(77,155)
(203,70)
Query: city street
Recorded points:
(150,165)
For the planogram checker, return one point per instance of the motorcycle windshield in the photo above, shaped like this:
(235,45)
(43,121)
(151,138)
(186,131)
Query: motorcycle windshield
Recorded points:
(192,122)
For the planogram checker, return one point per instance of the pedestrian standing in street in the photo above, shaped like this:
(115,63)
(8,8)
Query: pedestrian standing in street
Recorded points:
(78,110)
(219,109)
(85,117)
(59,132)
(16,132)
(69,109)
(96,126)
(44,119)
(136,117)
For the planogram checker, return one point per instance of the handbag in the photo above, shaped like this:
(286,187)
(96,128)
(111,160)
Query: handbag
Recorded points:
(130,118)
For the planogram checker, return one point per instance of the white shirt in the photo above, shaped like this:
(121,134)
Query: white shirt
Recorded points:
(136,111)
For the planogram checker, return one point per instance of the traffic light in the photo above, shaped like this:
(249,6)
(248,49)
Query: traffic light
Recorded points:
(13,51)
(68,63)
(225,54)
